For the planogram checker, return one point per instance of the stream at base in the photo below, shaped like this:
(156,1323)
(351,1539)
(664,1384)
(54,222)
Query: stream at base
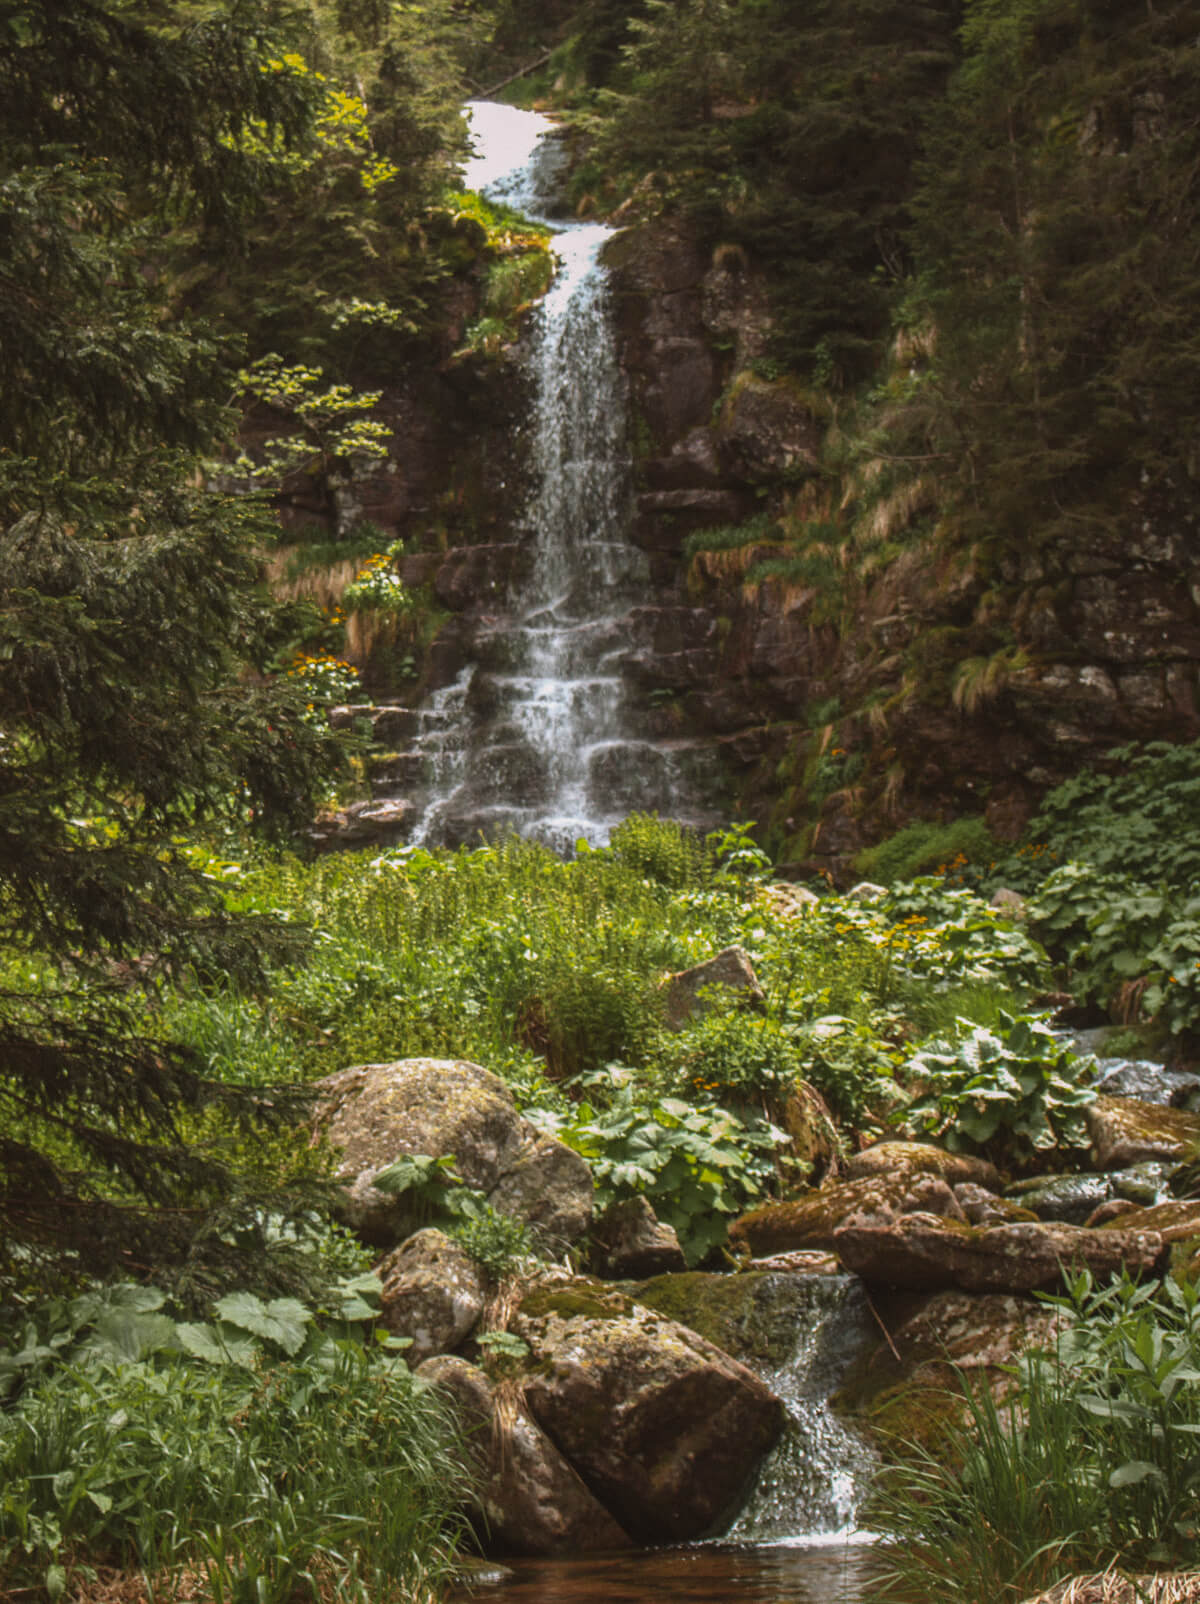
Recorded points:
(696,1573)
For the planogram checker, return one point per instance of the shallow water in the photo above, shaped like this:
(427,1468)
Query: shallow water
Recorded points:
(698,1573)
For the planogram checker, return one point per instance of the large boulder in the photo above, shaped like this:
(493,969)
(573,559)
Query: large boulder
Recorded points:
(663,1427)
(378,1113)
(528,1498)
(812,1221)
(433,1293)
(925,1253)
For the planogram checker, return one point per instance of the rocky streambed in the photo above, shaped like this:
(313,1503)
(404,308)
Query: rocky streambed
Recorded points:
(616,1401)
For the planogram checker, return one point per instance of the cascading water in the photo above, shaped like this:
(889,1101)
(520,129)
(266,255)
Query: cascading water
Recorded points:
(534,735)
(812,1485)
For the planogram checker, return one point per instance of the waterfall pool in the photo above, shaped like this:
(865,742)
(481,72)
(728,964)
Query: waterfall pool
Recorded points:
(797,1572)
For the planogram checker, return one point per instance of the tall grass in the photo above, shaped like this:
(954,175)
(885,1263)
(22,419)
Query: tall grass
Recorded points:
(336,1478)
(1094,1458)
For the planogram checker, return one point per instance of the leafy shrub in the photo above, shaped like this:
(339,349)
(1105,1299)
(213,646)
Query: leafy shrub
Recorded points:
(271,1456)
(1139,821)
(1090,1463)
(1011,1092)
(1132,947)
(697,1163)
(661,850)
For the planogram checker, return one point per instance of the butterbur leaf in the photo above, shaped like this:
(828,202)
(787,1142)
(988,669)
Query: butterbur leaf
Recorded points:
(282,1321)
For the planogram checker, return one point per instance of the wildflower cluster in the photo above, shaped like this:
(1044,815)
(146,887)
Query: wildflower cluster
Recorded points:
(325,680)
(377,587)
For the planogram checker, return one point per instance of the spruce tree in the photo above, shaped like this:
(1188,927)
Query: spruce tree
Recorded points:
(134,630)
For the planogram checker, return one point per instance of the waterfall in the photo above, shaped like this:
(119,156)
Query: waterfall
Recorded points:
(811,1486)
(535,734)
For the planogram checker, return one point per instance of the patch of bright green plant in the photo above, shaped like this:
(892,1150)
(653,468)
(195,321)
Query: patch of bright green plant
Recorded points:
(1011,1092)
(927,847)
(729,537)
(1139,820)
(1090,1462)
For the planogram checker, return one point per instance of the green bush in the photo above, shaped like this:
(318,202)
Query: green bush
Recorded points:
(1010,1092)
(926,847)
(1091,1461)
(698,1164)
(273,1457)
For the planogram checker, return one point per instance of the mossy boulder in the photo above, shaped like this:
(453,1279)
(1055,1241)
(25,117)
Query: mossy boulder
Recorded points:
(528,1500)
(754,1316)
(378,1113)
(433,1293)
(663,1427)
(1124,1131)
(924,1253)
(909,1388)
(921,1158)
(812,1221)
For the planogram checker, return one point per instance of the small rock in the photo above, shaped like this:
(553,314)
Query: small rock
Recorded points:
(1011,904)
(867,891)
(1124,1132)
(922,1158)
(682,992)
(1063,1197)
(433,1293)
(1113,1209)
(813,1141)
(630,1242)
(804,1261)
(982,1207)
(549,1186)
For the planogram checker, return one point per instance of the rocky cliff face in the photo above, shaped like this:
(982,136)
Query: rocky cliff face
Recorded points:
(829,713)
(852,710)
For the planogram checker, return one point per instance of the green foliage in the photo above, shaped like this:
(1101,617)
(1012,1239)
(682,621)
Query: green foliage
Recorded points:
(1091,1462)
(1130,946)
(926,847)
(267,1451)
(698,1164)
(661,850)
(134,630)
(336,433)
(1011,1092)
(1136,817)
(731,537)
(498,1243)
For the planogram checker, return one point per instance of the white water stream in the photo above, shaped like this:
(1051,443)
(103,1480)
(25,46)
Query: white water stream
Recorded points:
(535,737)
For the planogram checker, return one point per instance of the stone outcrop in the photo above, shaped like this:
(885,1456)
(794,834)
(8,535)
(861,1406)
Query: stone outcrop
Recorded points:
(1124,1132)
(665,1429)
(529,1499)
(378,1113)
(812,1222)
(925,1253)
(921,1158)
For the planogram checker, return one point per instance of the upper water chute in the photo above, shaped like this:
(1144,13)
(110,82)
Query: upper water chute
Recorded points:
(538,733)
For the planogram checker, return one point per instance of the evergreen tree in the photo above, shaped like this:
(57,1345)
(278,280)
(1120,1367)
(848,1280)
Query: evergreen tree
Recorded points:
(133,627)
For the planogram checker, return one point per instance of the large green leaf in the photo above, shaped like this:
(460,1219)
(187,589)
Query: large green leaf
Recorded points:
(282,1321)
